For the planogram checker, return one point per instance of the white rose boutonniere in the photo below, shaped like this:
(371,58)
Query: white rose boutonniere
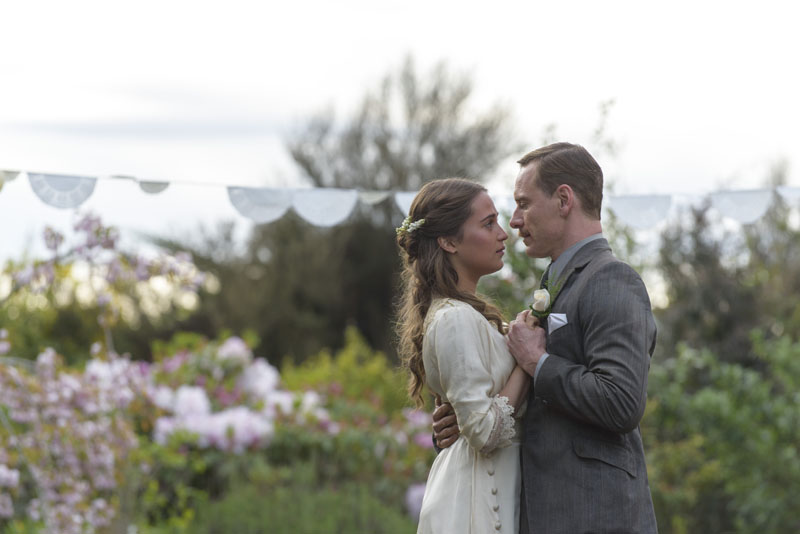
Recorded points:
(543,301)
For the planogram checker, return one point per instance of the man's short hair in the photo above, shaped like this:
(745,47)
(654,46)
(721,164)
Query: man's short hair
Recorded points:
(565,163)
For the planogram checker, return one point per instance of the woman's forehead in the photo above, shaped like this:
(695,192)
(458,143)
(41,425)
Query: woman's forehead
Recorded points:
(482,206)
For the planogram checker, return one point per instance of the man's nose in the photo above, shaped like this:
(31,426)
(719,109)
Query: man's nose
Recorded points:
(515,221)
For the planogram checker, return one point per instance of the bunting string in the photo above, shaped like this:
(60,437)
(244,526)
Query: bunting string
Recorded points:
(329,206)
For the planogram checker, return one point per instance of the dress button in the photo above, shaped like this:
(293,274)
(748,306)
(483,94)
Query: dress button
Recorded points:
(494,491)
(497,525)
(491,472)
(496,507)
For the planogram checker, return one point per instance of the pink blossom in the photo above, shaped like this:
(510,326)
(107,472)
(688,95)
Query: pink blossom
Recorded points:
(414,495)
(6,506)
(173,363)
(162,396)
(331,427)
(24,276)
(164,427)
(9,478)
(424,440)
(417,418)
(235,349)
(279,402)
(46,363)
(52,238)
(142,269)
(401,438)
(225,397)
(183,257)
(191,400)
(260,379)
(234,429)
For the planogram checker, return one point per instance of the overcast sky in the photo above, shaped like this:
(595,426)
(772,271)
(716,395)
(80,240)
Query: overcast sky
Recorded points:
(706,93)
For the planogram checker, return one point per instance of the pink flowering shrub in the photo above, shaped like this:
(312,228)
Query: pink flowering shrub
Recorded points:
(117,443)
(91,284)
(69,434)
(380,440)
(217,395)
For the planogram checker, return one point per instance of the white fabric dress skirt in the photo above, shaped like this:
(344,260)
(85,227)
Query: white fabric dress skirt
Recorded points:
(474,485)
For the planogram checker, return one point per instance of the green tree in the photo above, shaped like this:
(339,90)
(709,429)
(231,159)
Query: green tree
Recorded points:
(722,284)
(412,128)
(300,286)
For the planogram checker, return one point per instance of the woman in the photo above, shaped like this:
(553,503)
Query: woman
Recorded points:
(452,341)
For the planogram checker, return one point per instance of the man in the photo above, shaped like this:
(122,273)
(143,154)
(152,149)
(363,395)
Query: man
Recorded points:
(583,466)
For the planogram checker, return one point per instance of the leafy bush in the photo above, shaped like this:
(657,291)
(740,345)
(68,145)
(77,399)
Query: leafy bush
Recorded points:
(355,373)
(722,441)
(298,504)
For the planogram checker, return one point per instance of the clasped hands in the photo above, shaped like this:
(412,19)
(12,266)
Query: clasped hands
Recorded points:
(526,341)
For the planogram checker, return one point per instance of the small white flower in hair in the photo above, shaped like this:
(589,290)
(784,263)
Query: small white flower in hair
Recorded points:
(409,227)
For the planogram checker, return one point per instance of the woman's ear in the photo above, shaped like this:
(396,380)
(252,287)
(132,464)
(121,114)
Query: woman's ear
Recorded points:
(447,244)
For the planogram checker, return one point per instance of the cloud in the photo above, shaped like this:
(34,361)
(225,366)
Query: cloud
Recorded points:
(208,127)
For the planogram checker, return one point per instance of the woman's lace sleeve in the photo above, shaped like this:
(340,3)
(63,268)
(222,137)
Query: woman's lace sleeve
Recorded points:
(503,429)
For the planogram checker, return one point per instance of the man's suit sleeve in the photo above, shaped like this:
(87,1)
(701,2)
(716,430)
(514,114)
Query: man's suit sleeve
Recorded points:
(608,389)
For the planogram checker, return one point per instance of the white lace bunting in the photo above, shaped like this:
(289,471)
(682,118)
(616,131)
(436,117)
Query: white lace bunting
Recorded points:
(61,191)
(325,207)
(261,205)
(640,212)
(404,199)
(744,207)
(329,206)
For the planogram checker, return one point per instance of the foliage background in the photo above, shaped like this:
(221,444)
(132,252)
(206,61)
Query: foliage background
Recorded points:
(723,406)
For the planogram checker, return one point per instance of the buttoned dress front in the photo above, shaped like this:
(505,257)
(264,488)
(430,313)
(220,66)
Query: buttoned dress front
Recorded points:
(473,485)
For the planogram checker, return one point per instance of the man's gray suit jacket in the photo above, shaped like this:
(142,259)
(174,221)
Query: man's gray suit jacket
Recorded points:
(583,465)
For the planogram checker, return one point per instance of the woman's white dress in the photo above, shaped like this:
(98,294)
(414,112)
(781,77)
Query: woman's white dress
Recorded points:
(473,485)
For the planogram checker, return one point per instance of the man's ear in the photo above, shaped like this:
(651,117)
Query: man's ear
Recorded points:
(566,199)
(447,244)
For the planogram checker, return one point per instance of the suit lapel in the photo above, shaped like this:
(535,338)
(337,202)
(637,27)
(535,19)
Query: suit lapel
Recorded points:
(578,262)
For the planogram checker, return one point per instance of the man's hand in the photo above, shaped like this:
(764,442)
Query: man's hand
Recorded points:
(525,342)
(445,426)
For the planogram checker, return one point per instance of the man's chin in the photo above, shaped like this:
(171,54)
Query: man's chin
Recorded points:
(533,253)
